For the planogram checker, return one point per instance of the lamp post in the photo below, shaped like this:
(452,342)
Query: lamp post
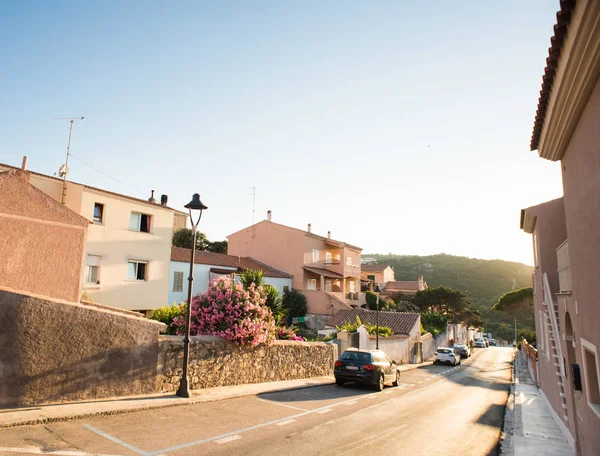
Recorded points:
(377,290)
(196,205)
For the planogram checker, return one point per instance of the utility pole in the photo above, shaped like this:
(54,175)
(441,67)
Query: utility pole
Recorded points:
(64,170)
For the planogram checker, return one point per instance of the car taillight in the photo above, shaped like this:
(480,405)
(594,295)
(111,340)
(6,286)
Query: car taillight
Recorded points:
(369,367)
(338,363)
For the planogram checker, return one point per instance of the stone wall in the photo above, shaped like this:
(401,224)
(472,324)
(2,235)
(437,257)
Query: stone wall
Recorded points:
(58,351)
(316,321)
(217,362)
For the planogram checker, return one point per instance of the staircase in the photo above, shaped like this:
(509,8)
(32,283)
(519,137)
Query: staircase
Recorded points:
(554,351)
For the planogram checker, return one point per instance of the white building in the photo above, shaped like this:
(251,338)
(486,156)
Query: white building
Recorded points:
(208,266)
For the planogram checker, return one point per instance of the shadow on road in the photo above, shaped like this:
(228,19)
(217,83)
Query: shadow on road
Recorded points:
(324,393)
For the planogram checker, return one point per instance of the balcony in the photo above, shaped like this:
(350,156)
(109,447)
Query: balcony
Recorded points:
(564,267)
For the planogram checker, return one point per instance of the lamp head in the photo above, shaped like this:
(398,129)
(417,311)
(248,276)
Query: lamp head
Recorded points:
(195,204)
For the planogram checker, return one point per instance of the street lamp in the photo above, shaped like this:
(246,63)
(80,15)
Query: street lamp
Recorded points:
(377,290)
(196,205)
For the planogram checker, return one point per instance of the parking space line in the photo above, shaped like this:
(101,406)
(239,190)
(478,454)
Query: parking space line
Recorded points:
(283,405)
(116,440)
(39,451)
(324,411)
(229,439)
(283,423)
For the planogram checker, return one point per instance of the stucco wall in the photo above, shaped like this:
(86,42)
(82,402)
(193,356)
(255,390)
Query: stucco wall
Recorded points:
(202,279)
(116,244)
(429,346)
(398,347)
(56,351)
(216,362)
(581,182)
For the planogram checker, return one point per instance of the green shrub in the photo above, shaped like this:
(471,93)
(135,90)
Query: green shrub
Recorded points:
(350,327)
(434,322)
(384,331)
(294,303)
(166,315)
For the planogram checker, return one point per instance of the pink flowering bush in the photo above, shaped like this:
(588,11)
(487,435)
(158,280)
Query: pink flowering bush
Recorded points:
(231,312)
(287,334)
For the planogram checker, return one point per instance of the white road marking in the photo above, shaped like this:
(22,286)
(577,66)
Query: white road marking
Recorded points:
(388,392)
(228,439)
(38,451)
(279,403)
(324,411)
(420,381)
(350,403)
(283,423)
(117,441)
(371,397)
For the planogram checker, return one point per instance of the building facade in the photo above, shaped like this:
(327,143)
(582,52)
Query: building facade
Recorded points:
(128,245)
(326,271)
(566,239)
(209,266)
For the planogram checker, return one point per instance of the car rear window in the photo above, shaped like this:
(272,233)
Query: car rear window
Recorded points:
(460,346)
(356,356)
(443,350)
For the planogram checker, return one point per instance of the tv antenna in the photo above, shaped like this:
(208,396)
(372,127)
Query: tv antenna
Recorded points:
(64,169)
(253,201)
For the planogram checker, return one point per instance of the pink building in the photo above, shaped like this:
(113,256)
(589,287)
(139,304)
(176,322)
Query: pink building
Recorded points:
(566,238)
(326,271)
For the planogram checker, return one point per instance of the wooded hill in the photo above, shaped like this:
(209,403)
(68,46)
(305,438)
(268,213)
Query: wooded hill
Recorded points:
(483,281)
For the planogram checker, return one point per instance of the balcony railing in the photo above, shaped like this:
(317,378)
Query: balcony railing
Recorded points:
(564,267)
(352,296)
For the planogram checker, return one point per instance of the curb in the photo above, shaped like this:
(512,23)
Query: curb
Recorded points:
(506,444)
(123,411)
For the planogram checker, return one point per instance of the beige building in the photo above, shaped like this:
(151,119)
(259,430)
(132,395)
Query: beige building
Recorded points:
(128,245)
(376,273)
(326,271)
(566,242)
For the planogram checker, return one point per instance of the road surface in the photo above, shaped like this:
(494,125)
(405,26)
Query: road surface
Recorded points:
(435,410)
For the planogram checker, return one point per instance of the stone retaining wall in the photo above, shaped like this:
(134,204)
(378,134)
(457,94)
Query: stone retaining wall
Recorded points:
(217,362)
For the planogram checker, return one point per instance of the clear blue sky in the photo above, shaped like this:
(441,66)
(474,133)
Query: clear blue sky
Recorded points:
(400,126)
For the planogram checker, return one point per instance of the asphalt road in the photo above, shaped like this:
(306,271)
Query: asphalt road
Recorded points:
(435,410)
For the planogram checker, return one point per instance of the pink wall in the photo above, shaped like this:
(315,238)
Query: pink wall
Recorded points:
(581,182)
(41,242)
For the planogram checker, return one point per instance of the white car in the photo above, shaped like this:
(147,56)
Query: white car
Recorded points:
(480,343)
(445,355)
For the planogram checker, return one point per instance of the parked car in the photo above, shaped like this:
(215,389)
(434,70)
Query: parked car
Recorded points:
(446,355)
(372,367)
(492,342)
(463,350)
(479,343)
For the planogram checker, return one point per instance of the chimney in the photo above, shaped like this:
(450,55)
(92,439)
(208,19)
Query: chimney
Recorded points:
(309,228)
(164,199)
(329,235)
(151,199)
(421,285)
(24,164)
(269,215)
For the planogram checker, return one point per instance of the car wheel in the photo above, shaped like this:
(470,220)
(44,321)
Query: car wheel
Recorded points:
(397,381)
(339,382)
(381,384)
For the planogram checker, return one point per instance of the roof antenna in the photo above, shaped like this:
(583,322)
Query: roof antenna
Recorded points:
(64,169)
(253,202)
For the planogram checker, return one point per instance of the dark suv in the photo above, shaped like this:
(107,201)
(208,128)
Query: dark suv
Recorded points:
(372,367)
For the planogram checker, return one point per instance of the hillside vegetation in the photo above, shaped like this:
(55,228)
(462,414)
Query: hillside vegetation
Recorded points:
(483,281)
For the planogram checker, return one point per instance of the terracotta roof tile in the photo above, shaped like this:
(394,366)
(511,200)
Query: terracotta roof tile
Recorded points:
(219,259)
(563,18)
(399,322)
(374,267)
(402,285)
(324,272)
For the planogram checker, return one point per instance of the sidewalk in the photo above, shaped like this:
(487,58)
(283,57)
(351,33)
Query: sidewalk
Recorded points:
(529,428)
(64,412)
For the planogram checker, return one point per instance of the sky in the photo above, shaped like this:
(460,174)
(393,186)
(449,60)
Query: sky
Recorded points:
(399,126)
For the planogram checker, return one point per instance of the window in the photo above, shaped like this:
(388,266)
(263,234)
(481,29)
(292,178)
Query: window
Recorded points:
(92,269)
(328,257)
(349,261)
(311,284)
(140,222)
(137,270)
(592,382)
(371,277)
(328,285)
(315,256)
(533,282)
(286,289)
(178,281)
(98,212)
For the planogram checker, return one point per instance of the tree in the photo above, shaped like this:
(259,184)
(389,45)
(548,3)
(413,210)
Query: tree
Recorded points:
(295,304)
(183,238)
(273,299)
(516,302)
